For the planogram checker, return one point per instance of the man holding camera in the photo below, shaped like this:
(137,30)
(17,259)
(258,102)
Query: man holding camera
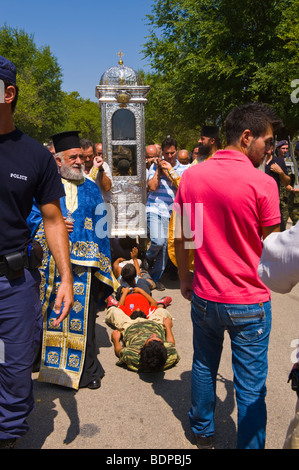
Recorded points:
(163,181)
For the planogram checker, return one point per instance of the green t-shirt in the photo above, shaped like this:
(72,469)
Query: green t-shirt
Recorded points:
(134,338)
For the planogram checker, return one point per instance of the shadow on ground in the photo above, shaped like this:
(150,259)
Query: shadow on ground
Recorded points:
(176,393)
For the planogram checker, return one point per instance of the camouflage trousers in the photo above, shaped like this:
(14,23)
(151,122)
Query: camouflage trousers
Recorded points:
(289,206)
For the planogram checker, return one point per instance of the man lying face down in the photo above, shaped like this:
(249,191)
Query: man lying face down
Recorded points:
(143,338)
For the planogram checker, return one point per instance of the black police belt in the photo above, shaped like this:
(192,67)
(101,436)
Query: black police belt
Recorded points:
(12,265)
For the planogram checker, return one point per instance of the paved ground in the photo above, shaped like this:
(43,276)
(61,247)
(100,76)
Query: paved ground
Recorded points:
(150,411)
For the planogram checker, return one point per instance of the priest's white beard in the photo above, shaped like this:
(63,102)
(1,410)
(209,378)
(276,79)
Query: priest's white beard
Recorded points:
(73,173)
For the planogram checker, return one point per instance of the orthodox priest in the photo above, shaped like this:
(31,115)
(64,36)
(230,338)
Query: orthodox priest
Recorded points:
(69,352)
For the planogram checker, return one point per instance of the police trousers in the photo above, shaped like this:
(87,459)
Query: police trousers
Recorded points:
(20,336)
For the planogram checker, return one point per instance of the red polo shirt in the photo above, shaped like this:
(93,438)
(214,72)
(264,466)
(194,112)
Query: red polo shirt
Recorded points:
(228,201)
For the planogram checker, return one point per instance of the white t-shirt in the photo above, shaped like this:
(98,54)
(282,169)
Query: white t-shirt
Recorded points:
(279,264)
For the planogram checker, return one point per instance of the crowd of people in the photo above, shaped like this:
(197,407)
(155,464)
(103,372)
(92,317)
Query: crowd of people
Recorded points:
(55,272)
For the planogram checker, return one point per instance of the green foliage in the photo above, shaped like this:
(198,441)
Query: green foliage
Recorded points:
(39,107)
(162,116)
(216,54)
(42,108)
(82,115)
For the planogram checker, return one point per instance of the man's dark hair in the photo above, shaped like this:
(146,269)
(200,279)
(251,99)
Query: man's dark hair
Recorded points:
(128,273)
(137,314)
(86,143)
(169,142)
(14,103)
(257,117)
(153,356)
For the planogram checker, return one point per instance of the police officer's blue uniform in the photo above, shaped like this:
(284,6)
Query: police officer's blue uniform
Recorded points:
(28,171)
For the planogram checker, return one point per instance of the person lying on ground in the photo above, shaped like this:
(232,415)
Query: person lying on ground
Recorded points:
(130,275)
(143,344)
(132,299)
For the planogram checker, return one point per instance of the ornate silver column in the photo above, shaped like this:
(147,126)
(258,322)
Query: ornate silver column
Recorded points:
(122,97)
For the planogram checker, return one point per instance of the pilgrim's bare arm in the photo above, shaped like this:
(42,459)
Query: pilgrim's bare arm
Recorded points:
(154,182)
(115,338)
(272,228)
(284,179)
(98,170)
(105,182)
(167,322)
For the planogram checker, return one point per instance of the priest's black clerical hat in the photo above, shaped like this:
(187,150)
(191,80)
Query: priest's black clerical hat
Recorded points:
(66,140)
(210,131)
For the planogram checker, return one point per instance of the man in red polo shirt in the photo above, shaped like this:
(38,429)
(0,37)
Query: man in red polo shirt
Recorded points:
(229,206)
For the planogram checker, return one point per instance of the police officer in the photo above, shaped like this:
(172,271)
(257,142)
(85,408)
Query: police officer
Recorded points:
(28,171)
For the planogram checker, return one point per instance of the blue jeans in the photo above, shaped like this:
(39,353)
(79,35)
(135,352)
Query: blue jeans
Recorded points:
(249,329)
(158,231)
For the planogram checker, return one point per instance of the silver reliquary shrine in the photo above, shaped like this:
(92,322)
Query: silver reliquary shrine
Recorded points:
(122,97)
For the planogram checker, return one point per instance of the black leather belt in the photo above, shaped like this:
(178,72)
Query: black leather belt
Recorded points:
(12,265)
